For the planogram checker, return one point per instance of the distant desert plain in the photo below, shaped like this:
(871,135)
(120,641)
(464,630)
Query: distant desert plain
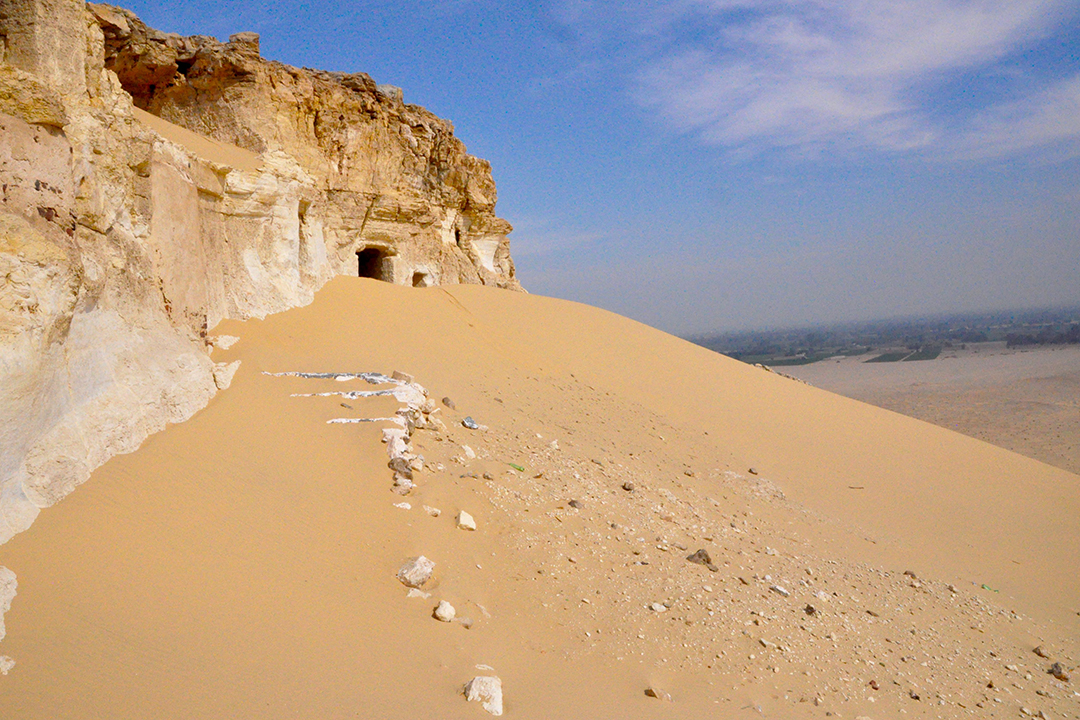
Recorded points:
(1024,399)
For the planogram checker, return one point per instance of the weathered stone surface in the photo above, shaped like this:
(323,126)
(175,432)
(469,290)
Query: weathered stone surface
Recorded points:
(155,185)
(416,571)
(487,690)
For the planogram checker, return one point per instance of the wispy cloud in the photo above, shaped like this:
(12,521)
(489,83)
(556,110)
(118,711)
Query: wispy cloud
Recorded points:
(814,74)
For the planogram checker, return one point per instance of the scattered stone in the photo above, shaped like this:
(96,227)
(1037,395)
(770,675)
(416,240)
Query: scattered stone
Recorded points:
(487,689)
(628,486)
(554,444)
(913,695)
(401,467)
(449,403)
(471,475)
(701,557)
(779,590)
(432,511)
(437,424)
(403,505)
(429,407)
(910,574)
(658,607)
(414,593)
(752,471)
(810,610)
(575,504)
(688,473)
(444,612)
(488,476)
(416,571)
(1058,672)
(401,377)
(6,664)
(874,685)
(1041,652)
(470,454)
(465,521)
(657,693)
(470,423)
(416,464)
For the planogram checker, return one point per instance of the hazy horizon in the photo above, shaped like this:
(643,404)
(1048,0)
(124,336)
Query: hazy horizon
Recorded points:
(704,165)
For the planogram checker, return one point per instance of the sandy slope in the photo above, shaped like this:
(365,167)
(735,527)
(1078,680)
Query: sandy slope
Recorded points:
(241,565)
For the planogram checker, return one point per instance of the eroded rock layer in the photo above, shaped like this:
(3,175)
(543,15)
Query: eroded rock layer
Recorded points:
(153,185)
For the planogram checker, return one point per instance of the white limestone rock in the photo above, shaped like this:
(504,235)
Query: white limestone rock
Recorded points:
(465,521)
(8,585)
(223,374)
(487,690)
(416,571)
(444,612)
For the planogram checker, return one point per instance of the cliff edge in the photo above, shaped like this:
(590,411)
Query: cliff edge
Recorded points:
(154,185)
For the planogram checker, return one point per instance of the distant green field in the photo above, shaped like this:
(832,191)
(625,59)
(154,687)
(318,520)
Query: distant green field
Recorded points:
(889,357)
(928,354)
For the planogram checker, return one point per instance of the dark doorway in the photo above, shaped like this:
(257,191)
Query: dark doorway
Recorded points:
(369,263)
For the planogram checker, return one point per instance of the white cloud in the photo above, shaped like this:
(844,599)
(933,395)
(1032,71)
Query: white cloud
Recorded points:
(837,73)
(1047,119)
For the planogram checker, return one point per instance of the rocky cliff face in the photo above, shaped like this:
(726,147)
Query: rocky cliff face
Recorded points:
(153,185)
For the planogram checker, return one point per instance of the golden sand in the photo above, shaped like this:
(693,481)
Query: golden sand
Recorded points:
(242,564)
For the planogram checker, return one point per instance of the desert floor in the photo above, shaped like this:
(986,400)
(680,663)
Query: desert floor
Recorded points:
(1025,400)
(242,564)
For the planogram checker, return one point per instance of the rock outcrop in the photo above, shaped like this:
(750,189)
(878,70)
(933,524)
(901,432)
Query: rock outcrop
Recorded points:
(153,185)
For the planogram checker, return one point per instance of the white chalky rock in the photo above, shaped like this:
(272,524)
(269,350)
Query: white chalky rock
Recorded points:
(488,690)
(8,584)
(554,445)
(416,571)
(465,521)
(469,452)
(445,612)
(223,374)
(414,593)
(224,341)
(657,607)
(403,505)
(432,511)
(6,664)
(438,424)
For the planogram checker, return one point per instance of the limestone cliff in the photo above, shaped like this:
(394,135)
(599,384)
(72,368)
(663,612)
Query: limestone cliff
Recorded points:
(153,185)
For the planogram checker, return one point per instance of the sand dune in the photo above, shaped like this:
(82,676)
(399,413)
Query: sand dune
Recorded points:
(243,564)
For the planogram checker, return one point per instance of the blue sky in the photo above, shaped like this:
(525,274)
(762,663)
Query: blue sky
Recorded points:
(729,164)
